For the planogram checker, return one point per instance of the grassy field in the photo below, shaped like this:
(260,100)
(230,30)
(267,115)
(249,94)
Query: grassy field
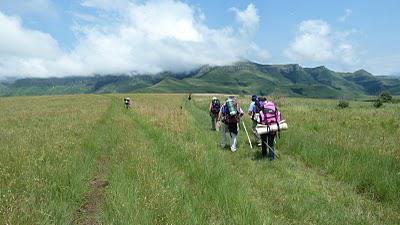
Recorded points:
(85,159)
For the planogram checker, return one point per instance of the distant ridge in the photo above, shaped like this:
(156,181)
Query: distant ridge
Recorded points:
(240,78)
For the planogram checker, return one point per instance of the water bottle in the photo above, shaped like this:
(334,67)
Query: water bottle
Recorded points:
(231,107)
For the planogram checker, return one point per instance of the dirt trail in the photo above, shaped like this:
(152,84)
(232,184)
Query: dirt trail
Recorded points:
(87,214)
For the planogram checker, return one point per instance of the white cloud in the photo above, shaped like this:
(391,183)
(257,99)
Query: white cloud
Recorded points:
(18,41)
(25,51)
(148,37)
(157,23)
(248,19)
(346,15)
(315,43)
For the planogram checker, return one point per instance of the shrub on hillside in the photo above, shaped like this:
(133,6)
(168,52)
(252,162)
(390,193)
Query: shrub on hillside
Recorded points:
(378,103)
(385,97)
(343,104)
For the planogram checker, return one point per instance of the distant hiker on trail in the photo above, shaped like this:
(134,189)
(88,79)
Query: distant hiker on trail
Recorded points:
(215,107)
(230,115)
(190,96)
(254,112)
(127,102)
(269,115)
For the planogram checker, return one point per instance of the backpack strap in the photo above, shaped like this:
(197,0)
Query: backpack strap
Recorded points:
(277,122)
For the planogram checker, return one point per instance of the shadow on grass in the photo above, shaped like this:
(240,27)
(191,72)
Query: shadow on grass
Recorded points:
(257,156)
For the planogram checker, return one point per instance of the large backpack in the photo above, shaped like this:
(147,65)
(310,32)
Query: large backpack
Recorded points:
(270,114)
(216,106)
(258,106)
(230,113)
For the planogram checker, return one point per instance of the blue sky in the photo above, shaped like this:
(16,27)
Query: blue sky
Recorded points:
(85,37)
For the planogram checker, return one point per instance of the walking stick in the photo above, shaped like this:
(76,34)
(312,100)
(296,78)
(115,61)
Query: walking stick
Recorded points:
(251,146)
(273,150)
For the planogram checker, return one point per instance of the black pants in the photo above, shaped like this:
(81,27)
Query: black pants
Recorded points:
(268,139)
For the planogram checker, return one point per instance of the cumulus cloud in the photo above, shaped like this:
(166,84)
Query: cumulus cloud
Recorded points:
(346,15)
(248,18)
(31,43)
(316,43)
(23,50)
(148,37)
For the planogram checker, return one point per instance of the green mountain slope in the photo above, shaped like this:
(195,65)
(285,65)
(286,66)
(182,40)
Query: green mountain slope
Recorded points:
(371,85)
(240,78)
(79,85)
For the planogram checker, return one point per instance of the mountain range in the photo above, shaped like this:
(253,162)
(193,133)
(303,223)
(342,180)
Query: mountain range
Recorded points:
(240,78)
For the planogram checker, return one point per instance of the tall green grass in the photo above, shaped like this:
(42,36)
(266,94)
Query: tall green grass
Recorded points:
(166,167)
(184,177)
(46,156)
(170,179)
(358,145)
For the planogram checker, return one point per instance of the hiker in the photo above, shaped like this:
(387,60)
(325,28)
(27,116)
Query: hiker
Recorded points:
(215,107)
(269,115)
(127,102)
(254,112)
(230,115)
(190,96)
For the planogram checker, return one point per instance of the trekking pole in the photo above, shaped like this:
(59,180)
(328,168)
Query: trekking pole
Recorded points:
(244,126)
(270,149)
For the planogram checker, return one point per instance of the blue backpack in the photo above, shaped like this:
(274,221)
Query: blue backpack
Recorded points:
(258,107)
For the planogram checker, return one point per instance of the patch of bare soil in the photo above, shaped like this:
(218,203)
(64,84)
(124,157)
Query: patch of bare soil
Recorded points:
(94,199)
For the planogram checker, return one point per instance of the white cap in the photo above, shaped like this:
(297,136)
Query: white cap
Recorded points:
(214,98)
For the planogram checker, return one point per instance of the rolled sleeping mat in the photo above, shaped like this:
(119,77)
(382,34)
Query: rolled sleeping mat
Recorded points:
(264,129)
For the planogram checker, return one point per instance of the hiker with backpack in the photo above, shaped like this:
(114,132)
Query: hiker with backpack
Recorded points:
(215,107)
(254,112)
(269,115)
(127,102)
(229,115)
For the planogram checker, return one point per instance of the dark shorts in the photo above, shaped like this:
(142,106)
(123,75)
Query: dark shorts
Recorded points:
(233,128)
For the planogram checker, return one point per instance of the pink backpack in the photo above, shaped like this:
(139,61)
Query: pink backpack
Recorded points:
(270,114)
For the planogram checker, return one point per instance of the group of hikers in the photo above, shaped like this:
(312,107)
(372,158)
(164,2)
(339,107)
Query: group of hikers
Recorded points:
(226,118)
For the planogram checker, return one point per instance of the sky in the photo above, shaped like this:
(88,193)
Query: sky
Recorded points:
(43,38)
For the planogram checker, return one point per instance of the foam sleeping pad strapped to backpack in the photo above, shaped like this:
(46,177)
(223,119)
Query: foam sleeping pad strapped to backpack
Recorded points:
(263,129)
(216,106)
